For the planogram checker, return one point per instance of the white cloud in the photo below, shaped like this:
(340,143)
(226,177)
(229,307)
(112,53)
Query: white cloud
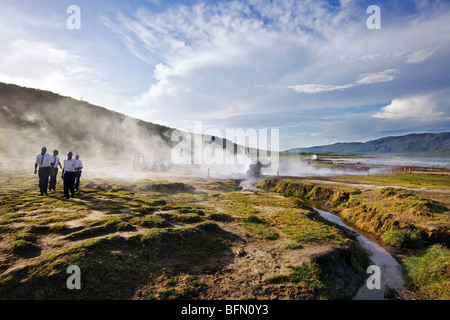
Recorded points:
(210,60)
(221,60)
(364,79)
(318,88)
(201,51)
(377,77)
(421,55)
(421,108)
(43,65)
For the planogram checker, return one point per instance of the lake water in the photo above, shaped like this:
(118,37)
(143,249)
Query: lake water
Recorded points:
(428,161)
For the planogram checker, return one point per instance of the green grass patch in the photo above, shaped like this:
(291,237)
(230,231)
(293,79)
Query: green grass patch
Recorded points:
(408,180)
(97,228)
(182,217)
(293,246)
(240,209)
(260,227)
(332,195)
(302,226)
(21,247)
(372,217)
(220,217)
(149,221)
(430,273)
(111,266)
(164,187)
(191,290)
(260,200)
(311,274)
(403,239)
(420,206)
(407,202)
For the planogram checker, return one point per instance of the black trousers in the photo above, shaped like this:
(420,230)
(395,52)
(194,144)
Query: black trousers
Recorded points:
(69,184)
(77,180)
(53,176)
(44,175)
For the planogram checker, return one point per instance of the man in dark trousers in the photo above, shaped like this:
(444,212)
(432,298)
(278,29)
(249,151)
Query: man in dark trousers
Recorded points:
(79,171)
(56,162)
(43,161)
(69,174)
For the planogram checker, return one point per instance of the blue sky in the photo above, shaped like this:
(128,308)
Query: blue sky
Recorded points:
(310,68)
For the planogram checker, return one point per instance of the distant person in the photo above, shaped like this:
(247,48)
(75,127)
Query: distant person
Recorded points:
(135,162)
(69,175)
(79,171)
(55,163)
(254,171)
(142,165)
(43,161)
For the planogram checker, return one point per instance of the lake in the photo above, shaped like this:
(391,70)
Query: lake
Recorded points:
(420,161)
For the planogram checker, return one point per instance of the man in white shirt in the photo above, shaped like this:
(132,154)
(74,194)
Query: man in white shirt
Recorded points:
(69,174)
(43,161)
(79,171)
(56,162)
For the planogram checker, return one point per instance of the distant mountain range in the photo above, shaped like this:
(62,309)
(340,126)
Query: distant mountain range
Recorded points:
(423,143)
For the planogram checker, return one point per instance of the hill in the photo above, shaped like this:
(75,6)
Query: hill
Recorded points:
(424,143)
(31,118)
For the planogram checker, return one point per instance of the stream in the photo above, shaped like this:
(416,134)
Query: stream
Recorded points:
(390,269)
(391,274)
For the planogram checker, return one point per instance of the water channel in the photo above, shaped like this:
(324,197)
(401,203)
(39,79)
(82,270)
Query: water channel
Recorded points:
(390,269)
(390,272)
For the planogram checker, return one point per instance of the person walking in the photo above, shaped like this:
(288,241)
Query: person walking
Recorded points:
(69,174)
(56,162)
(43,162)
(79,171)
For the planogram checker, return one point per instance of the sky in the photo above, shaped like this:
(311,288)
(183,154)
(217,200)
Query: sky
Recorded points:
(312,69)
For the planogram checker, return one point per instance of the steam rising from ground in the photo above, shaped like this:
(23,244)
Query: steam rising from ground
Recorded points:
(304,167)
(109,142)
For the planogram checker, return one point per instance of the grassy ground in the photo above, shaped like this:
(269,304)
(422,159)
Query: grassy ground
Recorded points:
(141,239)
(412,180)
(44,235)
(430,273)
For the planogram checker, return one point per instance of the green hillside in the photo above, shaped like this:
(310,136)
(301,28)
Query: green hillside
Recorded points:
(425,143)
(31,118)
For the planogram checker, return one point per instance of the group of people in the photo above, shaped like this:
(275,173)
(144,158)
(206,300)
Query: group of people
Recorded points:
(46,166)
(156,165)
(139,162)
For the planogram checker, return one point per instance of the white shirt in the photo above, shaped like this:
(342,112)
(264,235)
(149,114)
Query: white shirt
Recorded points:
(56,161)
(70,165)
(43,161)
(79,164)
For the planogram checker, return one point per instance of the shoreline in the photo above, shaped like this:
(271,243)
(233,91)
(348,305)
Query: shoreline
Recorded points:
(392,168)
